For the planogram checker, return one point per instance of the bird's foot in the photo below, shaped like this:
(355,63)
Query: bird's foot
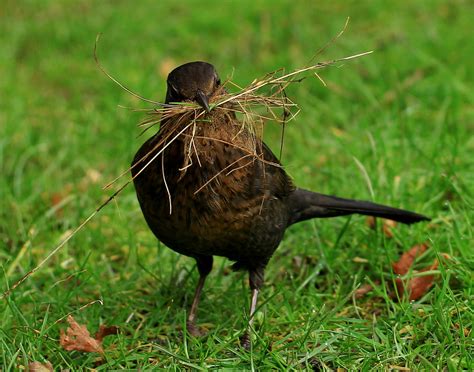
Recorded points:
(194,330)
(245,341)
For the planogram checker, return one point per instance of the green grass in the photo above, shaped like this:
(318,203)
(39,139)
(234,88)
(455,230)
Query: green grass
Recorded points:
(406,113)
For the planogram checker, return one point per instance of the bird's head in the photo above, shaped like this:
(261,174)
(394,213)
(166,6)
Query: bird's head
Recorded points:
(193,81)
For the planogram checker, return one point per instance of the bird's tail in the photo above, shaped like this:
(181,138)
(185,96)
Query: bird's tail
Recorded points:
(306,204)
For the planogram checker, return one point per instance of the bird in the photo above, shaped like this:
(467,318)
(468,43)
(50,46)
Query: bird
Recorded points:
(231,196)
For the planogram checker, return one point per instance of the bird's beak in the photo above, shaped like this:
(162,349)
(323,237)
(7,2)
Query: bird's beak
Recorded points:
(202,100)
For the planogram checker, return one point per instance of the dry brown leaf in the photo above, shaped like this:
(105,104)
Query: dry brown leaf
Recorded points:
(466,331)
(370,221)
(56,198)
(446,256)
(406,260)
(105,331)
(416,287)
(406,329)
(363,290)
(387,225)
(40,367)
(399,368)
(77,337)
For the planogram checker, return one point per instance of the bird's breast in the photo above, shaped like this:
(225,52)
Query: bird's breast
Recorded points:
(208,190)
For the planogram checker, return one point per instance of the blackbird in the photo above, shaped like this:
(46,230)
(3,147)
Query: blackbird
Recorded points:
(220,191)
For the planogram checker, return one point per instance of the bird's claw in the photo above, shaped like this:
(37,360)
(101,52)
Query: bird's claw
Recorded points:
(194,330)
(245,341)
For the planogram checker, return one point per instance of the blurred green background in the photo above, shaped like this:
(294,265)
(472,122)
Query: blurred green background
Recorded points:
(405,113)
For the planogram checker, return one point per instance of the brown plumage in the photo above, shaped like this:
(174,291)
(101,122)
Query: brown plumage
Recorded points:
(217,189)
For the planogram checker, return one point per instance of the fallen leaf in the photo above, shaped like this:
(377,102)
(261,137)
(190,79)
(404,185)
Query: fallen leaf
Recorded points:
(105,331)
(399,368)
(406,260)
(447,256)
(387,227)
(77,337)
(416,287)
(406,329)
(40,367)
(58,198)
(370,221)
(360,260)
(466,331)
(363,290)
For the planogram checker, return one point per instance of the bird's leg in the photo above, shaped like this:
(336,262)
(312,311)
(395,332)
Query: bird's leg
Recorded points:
(255,281)
(204,264)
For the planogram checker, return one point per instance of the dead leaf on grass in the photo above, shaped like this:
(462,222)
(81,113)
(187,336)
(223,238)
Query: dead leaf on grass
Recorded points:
(387,225)
(406,329)
(416,286)
(466,331)
(363,290)
(360,260)
(370,221)
(399,368)
(40,367)
(58,198)
(406,260)
(105,331)
(77,337)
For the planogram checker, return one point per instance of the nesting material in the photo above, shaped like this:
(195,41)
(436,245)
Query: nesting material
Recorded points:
(244,113)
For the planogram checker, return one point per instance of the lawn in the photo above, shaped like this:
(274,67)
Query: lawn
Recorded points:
(396,127)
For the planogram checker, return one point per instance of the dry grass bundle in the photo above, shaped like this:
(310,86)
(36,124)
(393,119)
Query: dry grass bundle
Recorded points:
(264,100)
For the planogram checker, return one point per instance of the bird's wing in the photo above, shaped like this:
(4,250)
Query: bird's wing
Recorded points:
(278,182)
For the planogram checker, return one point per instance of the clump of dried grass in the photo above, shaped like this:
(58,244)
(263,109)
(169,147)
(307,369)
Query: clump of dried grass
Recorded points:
(263,100)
